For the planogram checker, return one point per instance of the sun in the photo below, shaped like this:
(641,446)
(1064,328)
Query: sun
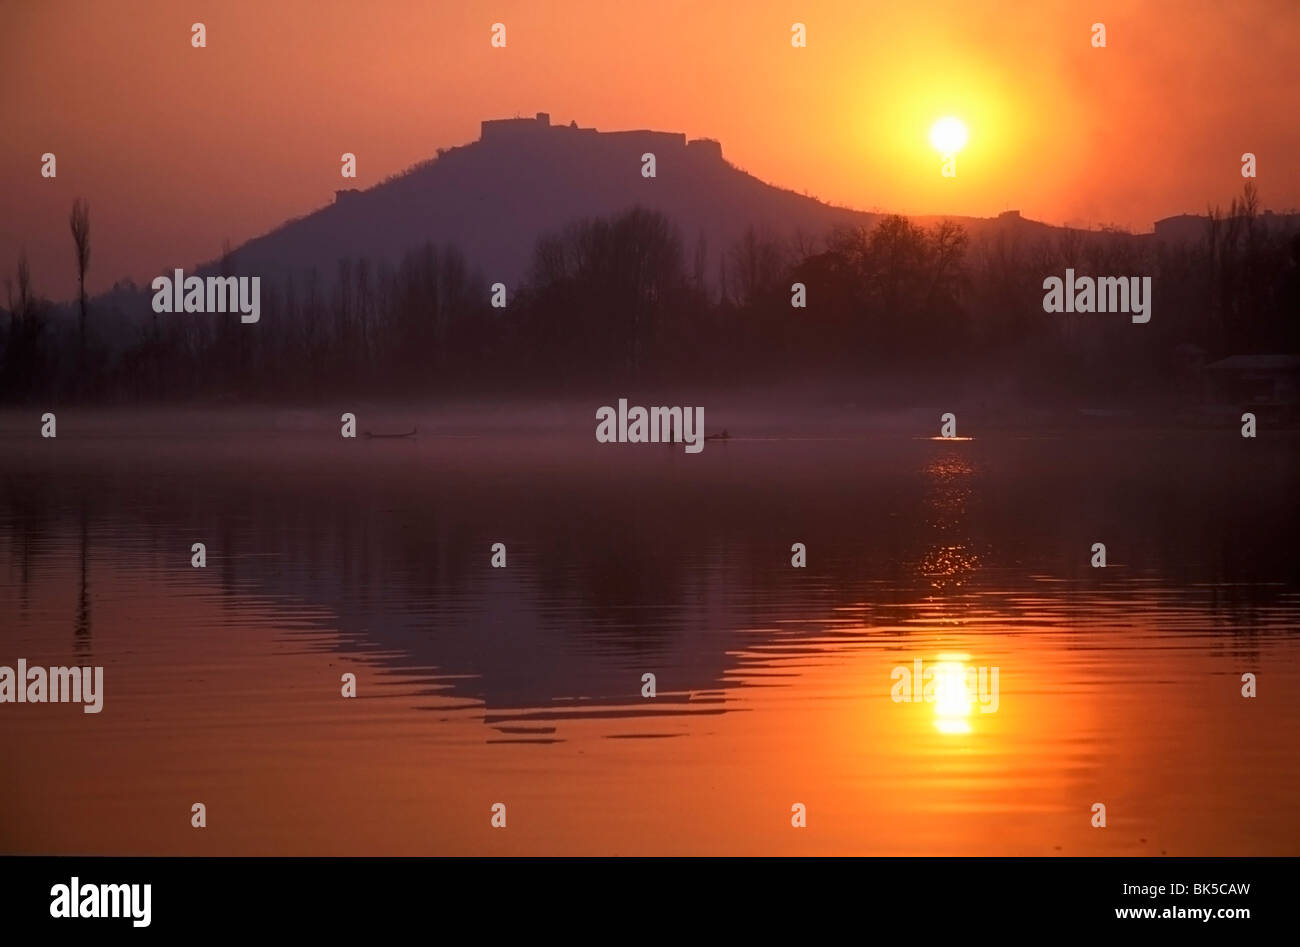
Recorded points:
(948,135)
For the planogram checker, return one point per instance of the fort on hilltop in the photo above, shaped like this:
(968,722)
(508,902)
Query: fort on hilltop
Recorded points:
(537,130)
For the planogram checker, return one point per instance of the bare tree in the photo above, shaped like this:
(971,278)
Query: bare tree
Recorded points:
(23,307)
(79,221)
(759,260)
(948,242)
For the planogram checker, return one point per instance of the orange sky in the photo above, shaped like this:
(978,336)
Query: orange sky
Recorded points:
(178,148)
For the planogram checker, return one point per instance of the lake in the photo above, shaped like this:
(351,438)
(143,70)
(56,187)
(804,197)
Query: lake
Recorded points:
(523,685)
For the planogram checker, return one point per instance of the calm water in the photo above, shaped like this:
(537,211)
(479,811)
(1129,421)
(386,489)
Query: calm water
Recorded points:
(523,685)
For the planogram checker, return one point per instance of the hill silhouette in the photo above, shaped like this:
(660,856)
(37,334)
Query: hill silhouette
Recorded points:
(523,178)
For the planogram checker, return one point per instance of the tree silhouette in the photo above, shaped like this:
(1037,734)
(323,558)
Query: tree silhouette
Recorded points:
(79,222)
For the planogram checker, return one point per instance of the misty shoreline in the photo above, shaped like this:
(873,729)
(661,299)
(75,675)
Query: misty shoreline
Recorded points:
(570,418)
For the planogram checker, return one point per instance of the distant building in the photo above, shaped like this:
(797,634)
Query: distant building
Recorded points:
(1191,228)
(1268,385)
(651,139)
(508,129)
(523,131)
(707,148)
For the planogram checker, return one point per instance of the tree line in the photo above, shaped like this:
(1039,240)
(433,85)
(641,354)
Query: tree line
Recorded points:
(628,300)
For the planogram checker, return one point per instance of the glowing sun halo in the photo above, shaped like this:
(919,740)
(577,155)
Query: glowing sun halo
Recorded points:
(948,135)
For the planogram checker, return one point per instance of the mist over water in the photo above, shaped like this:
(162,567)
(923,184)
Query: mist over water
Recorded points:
(1118,685)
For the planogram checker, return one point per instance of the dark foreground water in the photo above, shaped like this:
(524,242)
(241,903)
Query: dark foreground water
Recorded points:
(523,685)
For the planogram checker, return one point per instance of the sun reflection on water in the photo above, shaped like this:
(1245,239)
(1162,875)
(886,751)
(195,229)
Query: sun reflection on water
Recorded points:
(952,698)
